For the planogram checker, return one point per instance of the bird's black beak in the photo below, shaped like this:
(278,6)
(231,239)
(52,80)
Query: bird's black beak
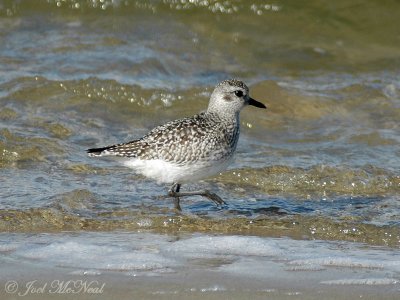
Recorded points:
(255,103)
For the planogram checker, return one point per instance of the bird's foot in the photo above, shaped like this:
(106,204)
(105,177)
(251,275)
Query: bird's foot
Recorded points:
(213,197)
(207,194)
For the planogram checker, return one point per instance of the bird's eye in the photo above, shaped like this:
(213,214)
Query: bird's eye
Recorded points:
(238,93)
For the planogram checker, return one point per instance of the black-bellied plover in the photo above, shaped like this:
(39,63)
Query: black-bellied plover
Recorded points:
(192,148)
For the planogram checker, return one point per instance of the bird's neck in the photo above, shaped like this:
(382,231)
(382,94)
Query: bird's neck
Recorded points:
(226,117)
(229,124)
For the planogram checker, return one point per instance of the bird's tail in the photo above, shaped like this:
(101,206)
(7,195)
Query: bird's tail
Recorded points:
(123,150)
(98,151)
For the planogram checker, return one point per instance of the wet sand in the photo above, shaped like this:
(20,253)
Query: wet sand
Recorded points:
(189,284)
(152,266)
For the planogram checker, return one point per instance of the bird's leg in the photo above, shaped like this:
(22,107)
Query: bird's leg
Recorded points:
(174,192)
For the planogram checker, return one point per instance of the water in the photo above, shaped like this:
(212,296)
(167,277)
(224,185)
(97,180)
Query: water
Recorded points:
(322,163)
(216,266)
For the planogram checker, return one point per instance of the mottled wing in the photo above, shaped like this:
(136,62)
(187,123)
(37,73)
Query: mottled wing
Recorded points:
(180,141)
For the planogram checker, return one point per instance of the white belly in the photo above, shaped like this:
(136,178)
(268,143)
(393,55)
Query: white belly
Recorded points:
(166,172)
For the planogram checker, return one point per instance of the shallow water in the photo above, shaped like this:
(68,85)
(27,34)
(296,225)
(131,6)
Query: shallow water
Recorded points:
(321,163)
(193,266)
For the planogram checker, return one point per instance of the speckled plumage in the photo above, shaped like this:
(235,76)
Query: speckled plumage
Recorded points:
(189,140)
(234,83)
(191,148)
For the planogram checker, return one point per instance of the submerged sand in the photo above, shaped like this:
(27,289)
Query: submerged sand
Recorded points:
(152,266)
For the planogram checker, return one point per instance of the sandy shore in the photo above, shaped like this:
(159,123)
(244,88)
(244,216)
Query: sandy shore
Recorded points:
(28,280)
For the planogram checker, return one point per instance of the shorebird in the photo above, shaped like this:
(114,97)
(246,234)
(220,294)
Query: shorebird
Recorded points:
(191,148)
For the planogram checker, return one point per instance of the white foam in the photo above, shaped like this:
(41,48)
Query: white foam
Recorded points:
(337,261)
(8,247)
(362,281)
(86,272)
(87,254)
(203,246)
(145,254)
(310,267)
(214,288)
(251,267)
